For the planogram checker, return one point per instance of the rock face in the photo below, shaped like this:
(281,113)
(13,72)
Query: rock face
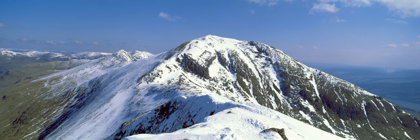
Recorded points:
(255,72)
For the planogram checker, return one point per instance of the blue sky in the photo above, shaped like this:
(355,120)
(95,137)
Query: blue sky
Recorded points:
(376,33)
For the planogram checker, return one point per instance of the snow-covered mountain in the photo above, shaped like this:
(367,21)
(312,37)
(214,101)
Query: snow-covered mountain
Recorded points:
(212,88)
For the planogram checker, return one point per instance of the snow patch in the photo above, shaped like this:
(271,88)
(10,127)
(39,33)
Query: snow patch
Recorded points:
(244,122)
(408,136)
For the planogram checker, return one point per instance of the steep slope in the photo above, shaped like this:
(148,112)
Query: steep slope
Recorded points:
(101,92)
(135,93)
(109,104)
(28,105)
(25,106)
(222,119)
(254,72)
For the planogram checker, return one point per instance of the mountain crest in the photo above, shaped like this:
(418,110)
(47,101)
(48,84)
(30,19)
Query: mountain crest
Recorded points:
(135,93)
(248,71)
(136,55)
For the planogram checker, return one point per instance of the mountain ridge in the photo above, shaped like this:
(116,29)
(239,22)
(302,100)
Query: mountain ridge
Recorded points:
(203,59)
(118,91)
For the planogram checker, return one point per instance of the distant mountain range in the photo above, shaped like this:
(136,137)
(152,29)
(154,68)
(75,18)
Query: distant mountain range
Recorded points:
(401,86)
(207,88)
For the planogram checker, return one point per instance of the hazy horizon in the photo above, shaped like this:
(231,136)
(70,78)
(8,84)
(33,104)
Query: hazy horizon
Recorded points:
(372,33)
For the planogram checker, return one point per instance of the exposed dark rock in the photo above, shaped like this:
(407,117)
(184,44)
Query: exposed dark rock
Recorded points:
(160,120)
(21,119)
(192,66)
(278,130)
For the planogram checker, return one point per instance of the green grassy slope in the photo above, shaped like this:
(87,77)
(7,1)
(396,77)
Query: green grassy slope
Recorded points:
(26,107)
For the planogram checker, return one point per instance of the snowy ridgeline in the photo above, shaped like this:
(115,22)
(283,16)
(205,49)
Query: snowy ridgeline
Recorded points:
(123,100)
(51,55)
(195,92)
(228,120)
(81,55)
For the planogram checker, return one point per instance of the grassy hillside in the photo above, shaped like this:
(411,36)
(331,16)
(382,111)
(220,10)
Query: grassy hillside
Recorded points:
(25,105)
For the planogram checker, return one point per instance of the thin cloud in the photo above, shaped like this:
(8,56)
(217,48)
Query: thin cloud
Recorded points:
(2,24)
(418,37)
(396,21)
(166,16)
(61,42)
(94,43)
(404,8)
(50,42)
(70,42)
(23,39)
(416,44)
(404,45)
(265,2)
(392,45)
(56,43)
(324,7)
(355,3)
(252,12)
(339,20)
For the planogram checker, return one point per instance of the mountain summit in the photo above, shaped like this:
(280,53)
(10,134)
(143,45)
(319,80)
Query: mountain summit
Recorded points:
(213,88)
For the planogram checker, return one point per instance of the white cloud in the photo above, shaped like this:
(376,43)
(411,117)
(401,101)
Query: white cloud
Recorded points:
(404,8)
(167,16)
(324,7)
(2,24)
